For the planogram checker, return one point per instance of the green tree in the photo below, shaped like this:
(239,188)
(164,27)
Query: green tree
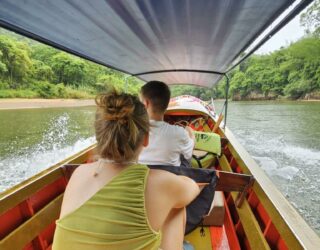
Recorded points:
(15,56)
(107,82)
(3,67)
(239,84)
(311,18)
(68,69)
(41,71)
(43,53)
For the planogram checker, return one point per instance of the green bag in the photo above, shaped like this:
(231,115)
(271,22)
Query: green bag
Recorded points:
(209,142)
(204,161)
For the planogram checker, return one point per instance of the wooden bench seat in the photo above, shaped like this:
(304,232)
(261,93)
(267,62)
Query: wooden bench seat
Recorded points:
(216,215)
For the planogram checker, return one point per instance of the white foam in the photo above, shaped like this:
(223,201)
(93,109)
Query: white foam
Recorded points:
(52,149)
(271,167)
(287,172)
(266,163)
(15,170)
(307,156)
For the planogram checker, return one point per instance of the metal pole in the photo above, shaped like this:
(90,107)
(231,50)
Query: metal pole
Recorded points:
(212,105)
(226,106)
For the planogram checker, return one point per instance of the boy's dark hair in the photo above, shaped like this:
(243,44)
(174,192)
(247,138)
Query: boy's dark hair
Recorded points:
(158,94)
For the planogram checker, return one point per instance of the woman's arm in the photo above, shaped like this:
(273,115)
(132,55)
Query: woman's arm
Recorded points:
(182,190)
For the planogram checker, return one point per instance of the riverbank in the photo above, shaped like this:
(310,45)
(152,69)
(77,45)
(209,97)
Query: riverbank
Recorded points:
(272,100)
(16,103)
(271,96)
(21,103)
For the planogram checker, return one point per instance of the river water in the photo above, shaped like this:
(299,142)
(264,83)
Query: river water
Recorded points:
(283,137)
(34,139)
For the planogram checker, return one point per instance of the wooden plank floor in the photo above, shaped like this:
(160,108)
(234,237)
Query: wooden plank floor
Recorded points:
(219,239)
(200,242)
(215,238)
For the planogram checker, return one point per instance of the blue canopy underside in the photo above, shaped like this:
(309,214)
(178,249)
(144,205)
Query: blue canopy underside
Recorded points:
(136,36)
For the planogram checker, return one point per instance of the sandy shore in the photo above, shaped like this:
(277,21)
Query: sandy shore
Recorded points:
(18,103)
(43,103)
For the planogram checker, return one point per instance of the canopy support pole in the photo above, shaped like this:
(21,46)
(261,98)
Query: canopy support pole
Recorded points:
(226,102)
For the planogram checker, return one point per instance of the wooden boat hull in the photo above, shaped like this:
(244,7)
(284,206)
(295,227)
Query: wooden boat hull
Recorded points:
(265,220)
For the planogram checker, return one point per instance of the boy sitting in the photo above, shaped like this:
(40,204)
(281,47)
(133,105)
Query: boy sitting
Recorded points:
(166,142)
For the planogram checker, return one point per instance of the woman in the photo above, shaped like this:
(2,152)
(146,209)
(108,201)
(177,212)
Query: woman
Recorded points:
(115,203)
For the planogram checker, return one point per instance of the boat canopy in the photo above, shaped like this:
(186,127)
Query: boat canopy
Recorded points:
(175,41)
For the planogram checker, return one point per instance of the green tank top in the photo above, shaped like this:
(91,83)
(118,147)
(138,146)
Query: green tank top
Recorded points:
(114,218)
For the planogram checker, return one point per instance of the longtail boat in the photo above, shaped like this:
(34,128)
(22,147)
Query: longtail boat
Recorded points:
(178,42)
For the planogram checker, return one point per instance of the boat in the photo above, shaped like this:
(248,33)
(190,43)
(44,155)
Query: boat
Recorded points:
(185,42)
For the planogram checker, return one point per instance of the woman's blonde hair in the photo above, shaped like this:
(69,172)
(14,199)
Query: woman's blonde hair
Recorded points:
(121,123)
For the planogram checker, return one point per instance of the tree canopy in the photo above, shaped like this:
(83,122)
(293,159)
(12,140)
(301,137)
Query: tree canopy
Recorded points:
(31,69)
(311,18)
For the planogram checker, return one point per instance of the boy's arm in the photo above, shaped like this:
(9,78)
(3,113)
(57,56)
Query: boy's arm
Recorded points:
(187,143)
(190,133)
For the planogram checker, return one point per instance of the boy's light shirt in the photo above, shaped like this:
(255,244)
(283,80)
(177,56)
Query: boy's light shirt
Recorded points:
(166,144)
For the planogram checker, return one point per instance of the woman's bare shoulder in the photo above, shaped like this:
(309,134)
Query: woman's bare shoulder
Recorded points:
(77,190)
(80,176)
(83,170)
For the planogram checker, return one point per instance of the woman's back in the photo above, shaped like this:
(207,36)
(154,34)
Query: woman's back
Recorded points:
(113,218)
(112,204)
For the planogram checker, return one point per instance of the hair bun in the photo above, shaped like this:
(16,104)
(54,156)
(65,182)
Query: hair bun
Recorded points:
(120,126)
(115,107)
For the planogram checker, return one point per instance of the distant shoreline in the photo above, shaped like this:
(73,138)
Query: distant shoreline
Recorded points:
(265,100)
(17,103)
(274,100)
(23,103)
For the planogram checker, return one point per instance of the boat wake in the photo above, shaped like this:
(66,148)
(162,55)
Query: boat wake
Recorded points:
(293,170)
(272,168)
(59,141)
(277,157)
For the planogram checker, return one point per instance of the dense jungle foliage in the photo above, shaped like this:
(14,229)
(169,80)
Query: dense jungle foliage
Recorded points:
(29,69)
